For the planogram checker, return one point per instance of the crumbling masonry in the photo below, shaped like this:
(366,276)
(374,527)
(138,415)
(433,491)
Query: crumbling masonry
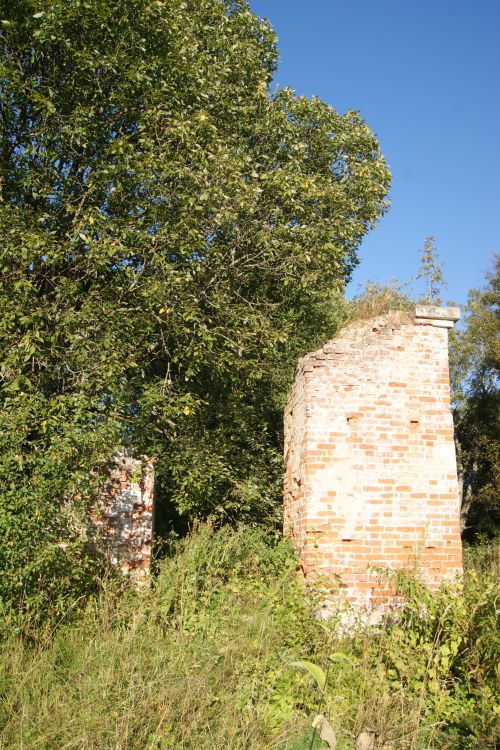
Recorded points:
(371,479)
(122,521)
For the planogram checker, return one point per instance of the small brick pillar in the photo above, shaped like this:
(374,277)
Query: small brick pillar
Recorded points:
(122,523)
(370,468)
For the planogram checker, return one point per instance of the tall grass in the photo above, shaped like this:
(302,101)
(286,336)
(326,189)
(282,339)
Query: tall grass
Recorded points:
(203,659)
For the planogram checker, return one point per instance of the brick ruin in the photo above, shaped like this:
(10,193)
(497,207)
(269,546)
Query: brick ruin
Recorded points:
(371,478)
(122,523)
(370,470)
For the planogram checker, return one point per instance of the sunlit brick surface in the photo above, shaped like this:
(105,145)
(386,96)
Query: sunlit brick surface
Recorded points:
(371,477)
(123,517)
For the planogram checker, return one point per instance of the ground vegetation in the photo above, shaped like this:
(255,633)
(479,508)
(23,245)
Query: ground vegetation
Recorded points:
(212,656)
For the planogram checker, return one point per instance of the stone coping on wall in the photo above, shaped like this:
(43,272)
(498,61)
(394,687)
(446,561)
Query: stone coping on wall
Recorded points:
(441,317)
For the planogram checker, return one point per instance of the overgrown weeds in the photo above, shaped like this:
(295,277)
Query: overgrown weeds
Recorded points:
(203,660)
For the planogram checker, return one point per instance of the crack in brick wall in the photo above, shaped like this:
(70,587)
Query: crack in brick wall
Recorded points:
(370,468)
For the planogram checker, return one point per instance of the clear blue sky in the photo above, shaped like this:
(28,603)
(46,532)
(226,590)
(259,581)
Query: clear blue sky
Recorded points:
(425,75)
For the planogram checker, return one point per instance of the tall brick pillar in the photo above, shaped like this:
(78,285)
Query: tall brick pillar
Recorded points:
(371,478)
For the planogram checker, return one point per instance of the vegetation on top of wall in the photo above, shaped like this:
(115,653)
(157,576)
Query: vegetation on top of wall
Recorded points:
(378,299)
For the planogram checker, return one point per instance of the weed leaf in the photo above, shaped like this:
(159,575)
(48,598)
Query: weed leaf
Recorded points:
(313,670)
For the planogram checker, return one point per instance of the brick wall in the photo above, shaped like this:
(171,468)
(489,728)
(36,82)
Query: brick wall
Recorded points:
(370,477)
(123,518)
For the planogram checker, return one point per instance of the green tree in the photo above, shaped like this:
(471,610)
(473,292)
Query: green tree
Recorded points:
(475,359)
(172,235)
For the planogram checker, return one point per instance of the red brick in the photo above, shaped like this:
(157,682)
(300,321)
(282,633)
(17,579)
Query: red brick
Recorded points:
(383,457)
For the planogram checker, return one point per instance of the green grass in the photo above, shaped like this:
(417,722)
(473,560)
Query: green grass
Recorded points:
(203,660)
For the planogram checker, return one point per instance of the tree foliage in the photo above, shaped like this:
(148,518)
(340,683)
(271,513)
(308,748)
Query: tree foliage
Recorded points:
(173,234)
(475,358)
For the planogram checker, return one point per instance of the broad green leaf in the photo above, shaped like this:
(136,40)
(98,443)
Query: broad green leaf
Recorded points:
(313,670)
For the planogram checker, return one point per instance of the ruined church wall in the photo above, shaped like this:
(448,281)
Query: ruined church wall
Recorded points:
(371,475)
